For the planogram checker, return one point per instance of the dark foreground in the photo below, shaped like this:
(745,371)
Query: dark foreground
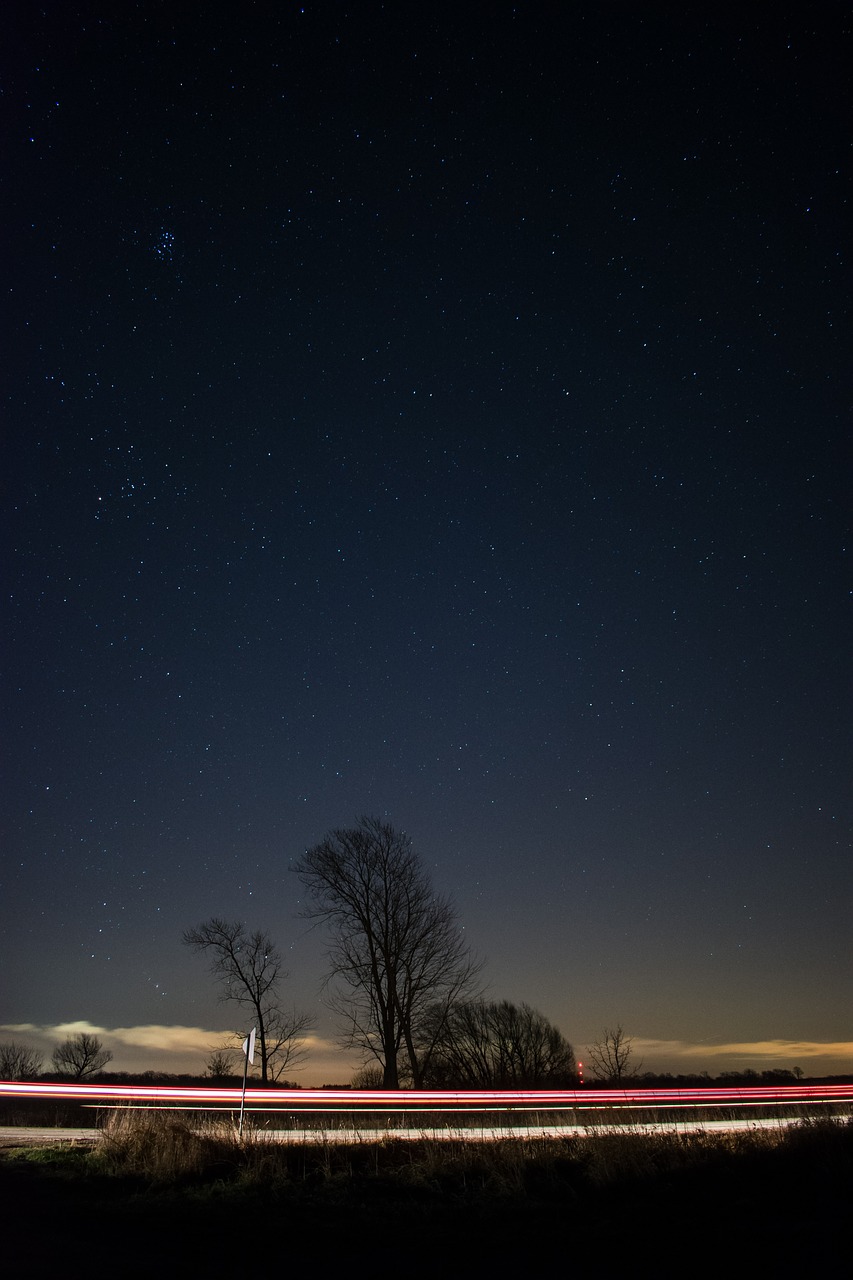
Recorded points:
(784,1209)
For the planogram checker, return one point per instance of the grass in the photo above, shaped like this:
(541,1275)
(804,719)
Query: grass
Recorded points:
(157,1182)
(168,1150)
(172,1148)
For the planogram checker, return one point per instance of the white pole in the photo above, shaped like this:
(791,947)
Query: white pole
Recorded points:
(249,1053)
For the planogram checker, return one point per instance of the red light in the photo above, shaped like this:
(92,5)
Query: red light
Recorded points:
(433,1099)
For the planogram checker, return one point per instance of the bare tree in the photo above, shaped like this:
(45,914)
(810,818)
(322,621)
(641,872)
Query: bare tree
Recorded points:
(19,1061)
(286,1030)
(368,1077)
(80,1056)
(397,951)
(250,968)
(500,1046)
(611,1056)
(220,1063)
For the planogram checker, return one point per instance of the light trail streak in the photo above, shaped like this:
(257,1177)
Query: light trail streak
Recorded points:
(320,1100)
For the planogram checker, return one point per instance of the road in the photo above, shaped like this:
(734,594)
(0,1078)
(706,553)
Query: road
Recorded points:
(20,1136)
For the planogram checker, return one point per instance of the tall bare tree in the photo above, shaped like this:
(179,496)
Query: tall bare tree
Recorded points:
(80,1056)
(397,952)
(499,1045)
(611,1056)
(249,966)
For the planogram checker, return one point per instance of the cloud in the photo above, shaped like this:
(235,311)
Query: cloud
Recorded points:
(164,1039)
(178,1048)
(744,1052)
(168,1039)
(171,1048)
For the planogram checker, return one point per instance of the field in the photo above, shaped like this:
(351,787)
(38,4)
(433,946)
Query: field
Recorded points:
(155,1190)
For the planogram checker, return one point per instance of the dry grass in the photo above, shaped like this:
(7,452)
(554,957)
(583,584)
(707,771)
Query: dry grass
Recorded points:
(776,1201)
(171,1148)
(167,1147)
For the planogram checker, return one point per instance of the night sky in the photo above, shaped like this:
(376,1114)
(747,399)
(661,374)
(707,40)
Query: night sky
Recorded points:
(437,415)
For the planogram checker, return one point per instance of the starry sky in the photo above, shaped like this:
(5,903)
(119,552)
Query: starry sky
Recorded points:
(435,413)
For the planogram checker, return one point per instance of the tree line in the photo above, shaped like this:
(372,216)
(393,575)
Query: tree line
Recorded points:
(401,977)
(78,1058)
(403,981)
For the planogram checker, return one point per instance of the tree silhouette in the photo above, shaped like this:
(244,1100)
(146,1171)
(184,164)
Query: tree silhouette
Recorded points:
(397,951)
(499,1045)
(80,1056)
(19,1061)
(249,966)
(611,1056)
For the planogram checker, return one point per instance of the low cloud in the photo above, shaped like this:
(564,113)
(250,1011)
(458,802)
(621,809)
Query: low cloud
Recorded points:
(162,1041)
(182,1049)
(832,1056)
(171,1048)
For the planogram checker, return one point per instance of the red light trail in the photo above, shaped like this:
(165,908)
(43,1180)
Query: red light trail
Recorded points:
(431,1099)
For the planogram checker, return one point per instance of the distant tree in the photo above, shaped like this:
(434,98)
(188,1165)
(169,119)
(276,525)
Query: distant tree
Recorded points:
(220,1063)
(250,969)
(611,1056)
(80,1056)
(397,950)
(500,1045)
(19,1061)
(368,1077)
